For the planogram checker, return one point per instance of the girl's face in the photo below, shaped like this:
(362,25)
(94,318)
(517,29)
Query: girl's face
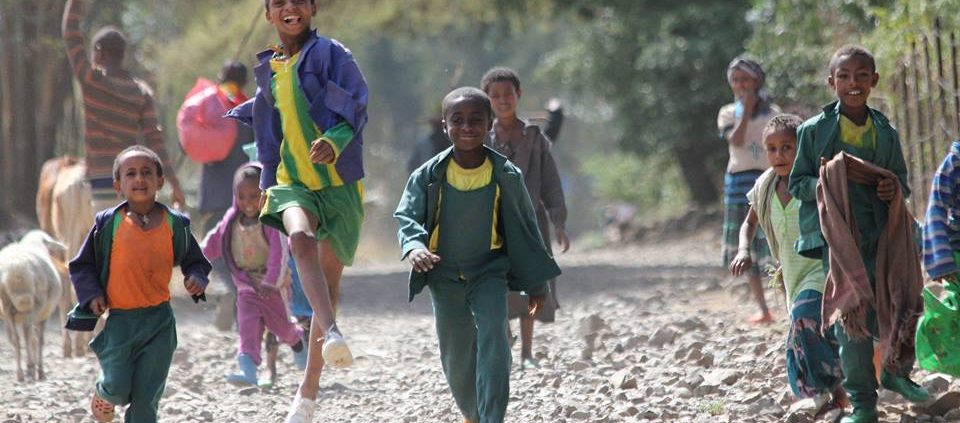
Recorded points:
(467,122)
(504,97)
(781,148)
(139,179)
(248,198)
(291,17)
(741,83)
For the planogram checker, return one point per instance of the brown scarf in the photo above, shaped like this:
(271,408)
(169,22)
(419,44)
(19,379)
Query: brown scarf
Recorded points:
(848,294)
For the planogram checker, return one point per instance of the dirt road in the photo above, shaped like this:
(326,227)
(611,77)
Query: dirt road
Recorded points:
(646,333)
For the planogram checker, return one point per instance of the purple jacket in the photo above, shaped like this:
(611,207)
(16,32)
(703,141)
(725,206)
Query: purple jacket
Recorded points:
(334,87)
(216,244)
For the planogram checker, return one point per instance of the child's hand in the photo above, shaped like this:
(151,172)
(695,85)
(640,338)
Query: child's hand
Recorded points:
(741,263)
(193,287)
(563,240)
(321,152)
(422,260)
(536,303)
(887,189)
(98,305)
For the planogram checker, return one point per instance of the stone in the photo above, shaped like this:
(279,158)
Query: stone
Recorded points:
(946,402)
(663,336)
(935,383)
(590,325)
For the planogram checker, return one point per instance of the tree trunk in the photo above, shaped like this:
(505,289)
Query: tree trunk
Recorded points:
(701,172)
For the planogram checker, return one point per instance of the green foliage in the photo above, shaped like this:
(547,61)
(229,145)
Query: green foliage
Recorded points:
(652,183)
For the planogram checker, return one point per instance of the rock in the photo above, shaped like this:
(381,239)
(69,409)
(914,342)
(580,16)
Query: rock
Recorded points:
(578,366)
(623,380)
(690,324)
(946,402)
(706,360)
(590,325)
(935,383)
(663,336)
(724,376)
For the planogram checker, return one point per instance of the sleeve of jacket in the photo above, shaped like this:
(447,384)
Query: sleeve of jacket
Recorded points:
(806,167)
(85,272)
(275,262)
(938,258)
(898,165)
(551,189)
(527,218)
(194,263)
(411,213)
(212,244)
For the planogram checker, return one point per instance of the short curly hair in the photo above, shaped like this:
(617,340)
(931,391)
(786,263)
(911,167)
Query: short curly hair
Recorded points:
(782,122)
(470,94)
(849,51)
(139,149)
(499,74)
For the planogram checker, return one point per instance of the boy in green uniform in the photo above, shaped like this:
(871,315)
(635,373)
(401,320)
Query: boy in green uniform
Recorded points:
(466,223)
(850,126)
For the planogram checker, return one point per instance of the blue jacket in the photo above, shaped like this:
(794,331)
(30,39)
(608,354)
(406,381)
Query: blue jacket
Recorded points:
(90,269)
(337,92)
(941,228)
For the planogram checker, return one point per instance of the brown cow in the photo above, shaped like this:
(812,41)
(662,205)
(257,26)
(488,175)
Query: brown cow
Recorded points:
(64,210)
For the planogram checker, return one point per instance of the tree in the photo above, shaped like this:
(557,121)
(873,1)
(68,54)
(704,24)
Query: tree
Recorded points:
(661,66)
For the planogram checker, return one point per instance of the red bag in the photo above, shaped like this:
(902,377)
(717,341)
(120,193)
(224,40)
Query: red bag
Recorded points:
(205,135)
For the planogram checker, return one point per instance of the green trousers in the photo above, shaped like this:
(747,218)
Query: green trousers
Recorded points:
(471,319)
(135,350)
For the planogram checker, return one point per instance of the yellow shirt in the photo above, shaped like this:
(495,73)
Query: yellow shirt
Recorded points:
(864,136)
(299,132)
(470,180)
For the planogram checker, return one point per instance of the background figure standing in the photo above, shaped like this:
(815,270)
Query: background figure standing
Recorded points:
(118,109)
(741,124)
(201,119)
(527,148)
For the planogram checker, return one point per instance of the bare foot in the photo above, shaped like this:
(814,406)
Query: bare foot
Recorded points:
(761,318)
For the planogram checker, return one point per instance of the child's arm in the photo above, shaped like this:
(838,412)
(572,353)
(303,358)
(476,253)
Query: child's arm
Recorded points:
(551,193)
(85,274)
(411,217)
(195,268)
(938,257)
(806,167)
(346,95)
(748,230)
(212,244)
(73,14)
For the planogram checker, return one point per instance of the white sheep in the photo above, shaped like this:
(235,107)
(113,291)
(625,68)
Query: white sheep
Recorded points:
(30,289)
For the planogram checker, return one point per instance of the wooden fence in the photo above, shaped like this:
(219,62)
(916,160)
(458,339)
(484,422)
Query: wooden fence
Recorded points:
(926,106)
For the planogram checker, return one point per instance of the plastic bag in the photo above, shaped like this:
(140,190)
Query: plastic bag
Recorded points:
(205,135)
(938,332)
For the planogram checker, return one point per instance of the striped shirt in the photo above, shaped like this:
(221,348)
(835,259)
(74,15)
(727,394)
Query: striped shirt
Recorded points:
(299,132)
(118,108)
(941,228)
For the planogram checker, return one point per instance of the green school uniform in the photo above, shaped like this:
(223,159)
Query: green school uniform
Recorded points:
(825,135)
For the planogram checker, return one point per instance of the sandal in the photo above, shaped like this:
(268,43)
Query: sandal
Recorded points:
(102,410)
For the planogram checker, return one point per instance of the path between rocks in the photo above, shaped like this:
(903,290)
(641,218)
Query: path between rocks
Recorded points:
(645,333)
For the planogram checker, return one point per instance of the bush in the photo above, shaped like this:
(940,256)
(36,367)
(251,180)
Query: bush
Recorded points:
(652,183)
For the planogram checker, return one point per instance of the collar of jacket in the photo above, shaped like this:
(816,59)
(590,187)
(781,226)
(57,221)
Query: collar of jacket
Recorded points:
(832,111)
(498,160)
(262,71)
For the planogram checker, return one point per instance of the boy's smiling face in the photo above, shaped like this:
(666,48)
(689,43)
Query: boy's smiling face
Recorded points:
(504,97)
(291,17)
(139,179)
(781,148)
(467,122)
(851,80)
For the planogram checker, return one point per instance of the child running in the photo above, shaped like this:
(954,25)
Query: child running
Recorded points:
(308,117)
(125,266)
(254,255)
(529,149)
(465,222)
(813,366)
(850,126)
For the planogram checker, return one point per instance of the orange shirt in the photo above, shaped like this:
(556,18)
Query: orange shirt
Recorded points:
(141,264)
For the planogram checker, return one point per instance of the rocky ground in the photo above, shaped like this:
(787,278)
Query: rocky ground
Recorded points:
(646,333)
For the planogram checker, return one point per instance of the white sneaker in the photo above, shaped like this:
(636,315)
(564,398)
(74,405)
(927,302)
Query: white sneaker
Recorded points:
(301,410)
(335,350)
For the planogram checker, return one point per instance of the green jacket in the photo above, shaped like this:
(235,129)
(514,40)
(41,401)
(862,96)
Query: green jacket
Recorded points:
(530,263)
(820,137)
